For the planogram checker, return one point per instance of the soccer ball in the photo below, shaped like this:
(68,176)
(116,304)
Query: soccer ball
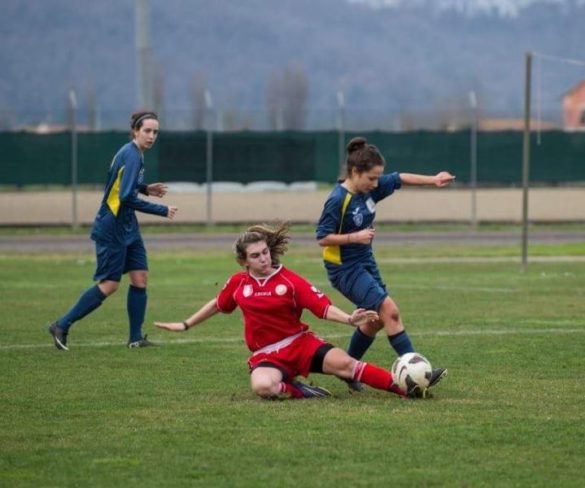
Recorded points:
(414,366)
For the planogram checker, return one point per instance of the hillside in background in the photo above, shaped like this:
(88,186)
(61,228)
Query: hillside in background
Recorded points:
(391,56)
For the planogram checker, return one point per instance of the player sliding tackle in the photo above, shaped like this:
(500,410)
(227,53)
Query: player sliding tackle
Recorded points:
(272,299)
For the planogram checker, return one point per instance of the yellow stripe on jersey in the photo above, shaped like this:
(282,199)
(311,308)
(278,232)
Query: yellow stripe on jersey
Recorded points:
(114,195)
(332,254)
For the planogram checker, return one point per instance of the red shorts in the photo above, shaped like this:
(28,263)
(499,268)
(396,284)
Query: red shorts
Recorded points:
(294,359)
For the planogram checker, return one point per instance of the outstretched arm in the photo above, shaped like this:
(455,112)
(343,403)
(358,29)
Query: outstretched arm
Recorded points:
(206,311)
(358,317)
(439,180)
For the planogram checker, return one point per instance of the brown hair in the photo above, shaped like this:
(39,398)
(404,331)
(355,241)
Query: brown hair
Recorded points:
(138,118)
(276,239)
(362,156)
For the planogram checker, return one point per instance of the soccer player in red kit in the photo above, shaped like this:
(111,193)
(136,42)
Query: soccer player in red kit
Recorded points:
(272,299)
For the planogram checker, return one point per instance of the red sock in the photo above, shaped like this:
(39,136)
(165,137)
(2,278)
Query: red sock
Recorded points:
(290,391)
(376,377)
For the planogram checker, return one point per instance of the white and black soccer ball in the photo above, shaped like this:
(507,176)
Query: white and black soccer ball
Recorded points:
(414,366)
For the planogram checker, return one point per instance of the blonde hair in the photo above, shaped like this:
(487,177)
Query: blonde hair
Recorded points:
(276,239)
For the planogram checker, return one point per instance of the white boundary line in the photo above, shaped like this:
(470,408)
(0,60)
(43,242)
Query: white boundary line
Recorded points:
(456,288)
(233,340)
(486,259)
(473,259)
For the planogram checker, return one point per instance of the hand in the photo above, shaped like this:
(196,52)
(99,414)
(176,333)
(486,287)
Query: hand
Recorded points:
(443,179)
(172,326)
(157,190)
(364,236)
(172,211)
(361,316)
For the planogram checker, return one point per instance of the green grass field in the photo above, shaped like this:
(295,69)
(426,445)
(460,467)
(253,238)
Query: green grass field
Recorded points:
(510,414)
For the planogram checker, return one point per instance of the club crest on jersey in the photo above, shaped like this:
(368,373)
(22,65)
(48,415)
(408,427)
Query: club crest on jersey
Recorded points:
(247,291)
(280,290)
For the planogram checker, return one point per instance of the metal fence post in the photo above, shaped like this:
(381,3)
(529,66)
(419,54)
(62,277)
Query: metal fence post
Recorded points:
(473,157)
(526,160)
(209,157)
(74,178)
(341,131)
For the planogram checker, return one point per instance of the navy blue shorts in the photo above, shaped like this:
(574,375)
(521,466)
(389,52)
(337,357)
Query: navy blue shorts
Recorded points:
(113,260)
(361,284)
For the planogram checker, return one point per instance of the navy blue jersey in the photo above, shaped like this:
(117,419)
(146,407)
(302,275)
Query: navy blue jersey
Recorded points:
(116,219)
(345,213)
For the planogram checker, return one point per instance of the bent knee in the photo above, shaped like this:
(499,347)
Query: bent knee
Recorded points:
(389,310)
(108,287)
(139,279)
(266,390)
(372,328)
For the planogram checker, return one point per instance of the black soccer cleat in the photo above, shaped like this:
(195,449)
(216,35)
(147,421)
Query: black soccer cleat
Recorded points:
(437,375)
(354,386)
(59,336)
(144,342)
(311,391)
(416,391)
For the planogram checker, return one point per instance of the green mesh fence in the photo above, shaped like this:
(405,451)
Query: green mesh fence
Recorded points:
(29,159)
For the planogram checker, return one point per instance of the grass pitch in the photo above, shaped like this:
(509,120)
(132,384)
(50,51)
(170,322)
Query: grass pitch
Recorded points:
(510,413)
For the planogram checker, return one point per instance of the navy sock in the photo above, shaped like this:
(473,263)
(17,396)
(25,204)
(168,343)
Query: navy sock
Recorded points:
(136,306)
(91,299)
(401,343)
(359,344)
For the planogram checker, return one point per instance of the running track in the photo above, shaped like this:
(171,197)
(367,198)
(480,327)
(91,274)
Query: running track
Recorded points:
(176,241)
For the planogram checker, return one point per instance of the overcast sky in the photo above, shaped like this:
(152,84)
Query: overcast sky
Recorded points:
(506,8)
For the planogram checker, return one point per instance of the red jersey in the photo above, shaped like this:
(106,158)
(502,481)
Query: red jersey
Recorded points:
(272,306)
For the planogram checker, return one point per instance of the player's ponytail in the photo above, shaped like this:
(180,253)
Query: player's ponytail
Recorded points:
(362,156)
(355,144)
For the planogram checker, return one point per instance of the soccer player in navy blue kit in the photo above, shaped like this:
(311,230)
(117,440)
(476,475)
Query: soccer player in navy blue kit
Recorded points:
(119,245)
(346,230)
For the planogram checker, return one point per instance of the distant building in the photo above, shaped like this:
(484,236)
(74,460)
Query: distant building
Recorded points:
(574,108)
(50,128)
(487,124)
